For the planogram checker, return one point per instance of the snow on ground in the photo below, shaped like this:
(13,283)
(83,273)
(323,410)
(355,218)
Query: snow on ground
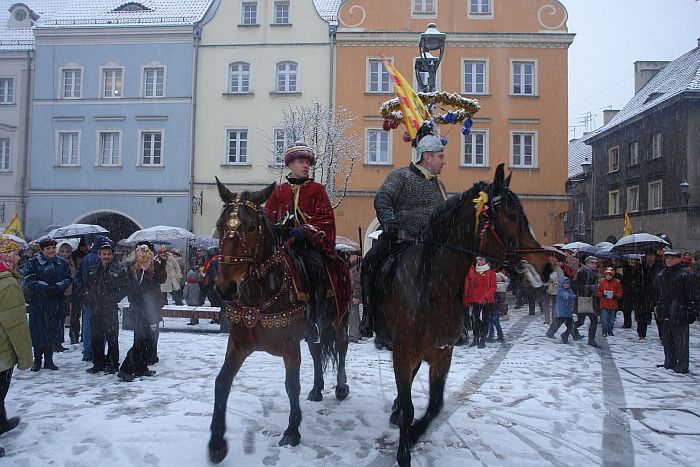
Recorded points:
(531,401)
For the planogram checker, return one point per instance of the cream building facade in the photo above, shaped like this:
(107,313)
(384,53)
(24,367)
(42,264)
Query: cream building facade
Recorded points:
(253,59)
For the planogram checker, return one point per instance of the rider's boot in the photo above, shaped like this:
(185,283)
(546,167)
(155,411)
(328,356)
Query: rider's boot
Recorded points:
(367,323)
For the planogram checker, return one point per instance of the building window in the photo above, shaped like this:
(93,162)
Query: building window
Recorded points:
(239,78)
(152,148)
(377,77)
(480,7)
(634,153)
(474,77)
(281,13)
(614,159)
(280,141)
(112,82)
(633,198)
(68,149)
(524,148)
(249,13)
(475,149)
(286,79)
(110,148)
(614,202)
(72,83)
(524,78)
(4,154)
(656,145)
(7,90)
(154,82)
(423,7)
(655,194)
(237,147)
(378,147)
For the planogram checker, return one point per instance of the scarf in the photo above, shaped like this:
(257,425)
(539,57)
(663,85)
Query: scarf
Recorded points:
(482,269)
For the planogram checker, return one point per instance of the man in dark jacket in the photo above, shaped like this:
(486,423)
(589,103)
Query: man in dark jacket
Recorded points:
(585,285)
(106,285)
(678,300)
(646,298)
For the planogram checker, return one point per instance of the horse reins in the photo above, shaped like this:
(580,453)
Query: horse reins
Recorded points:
(232,231)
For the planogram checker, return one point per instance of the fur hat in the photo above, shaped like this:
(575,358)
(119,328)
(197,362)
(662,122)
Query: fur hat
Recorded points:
(299,151)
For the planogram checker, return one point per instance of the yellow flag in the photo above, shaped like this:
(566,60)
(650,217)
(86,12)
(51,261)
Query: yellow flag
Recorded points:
(413,110)
(628,230)
(13,228)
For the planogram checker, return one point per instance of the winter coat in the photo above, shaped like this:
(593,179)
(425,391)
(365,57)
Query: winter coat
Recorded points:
(145,297)
(479,287)
(585,282)
(173,275)
(552,283)
(15,343)
(613,286)
(47,302)
(105,288)
(678,295)
(502,282)
(190,292)
(566,298)
(90,259)
(646,294)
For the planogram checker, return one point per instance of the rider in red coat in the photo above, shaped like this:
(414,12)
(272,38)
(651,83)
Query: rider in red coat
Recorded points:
(302,209)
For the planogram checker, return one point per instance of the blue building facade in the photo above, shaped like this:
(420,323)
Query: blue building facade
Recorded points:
(111,120)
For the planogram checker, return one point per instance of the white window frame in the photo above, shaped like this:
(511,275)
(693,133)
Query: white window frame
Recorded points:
(240,77)
(415,80)
(62,84)
(522,61)
(419,8)
(485,62)
(650,193)
(58,161)
(141,152)
(287,88)
(103,81)
(244,19)
(535,140)
(613,165)
(387,134)
(275,12)
(238,162)
(656,141)
(632,199)
(5,154)
(280,145)
(8,97)
(98,161)
(382,72)
(614,207)
(471,14)
(634,150)
(144,83)
(463,162)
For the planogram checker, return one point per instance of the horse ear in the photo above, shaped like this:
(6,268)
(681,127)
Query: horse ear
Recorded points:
(224,192)
(498,178)
(259,197)
(506,182)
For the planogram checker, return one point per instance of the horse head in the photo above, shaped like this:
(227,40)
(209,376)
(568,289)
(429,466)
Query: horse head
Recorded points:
(245,235)
(509,232)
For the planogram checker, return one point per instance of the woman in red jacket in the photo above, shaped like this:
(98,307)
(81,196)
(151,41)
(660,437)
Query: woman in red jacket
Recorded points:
(479,290)
(609,291)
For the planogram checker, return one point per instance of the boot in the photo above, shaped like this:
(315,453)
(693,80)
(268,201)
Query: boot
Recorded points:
(38,352)
(367,323)
(482,343)
(9,424)
(48,359)
(500,337)
(594,344)
(490,338)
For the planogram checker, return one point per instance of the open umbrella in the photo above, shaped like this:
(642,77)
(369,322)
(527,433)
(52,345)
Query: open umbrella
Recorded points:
(340,240)
(607,245)
(560,255)
(76,230)
(575,246)
(637,243)
(160,234)
(589,250)
(20,241)
(203,242)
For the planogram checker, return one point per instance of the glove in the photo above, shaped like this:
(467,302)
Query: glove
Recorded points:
(53,291)
(298,234)
(391,228)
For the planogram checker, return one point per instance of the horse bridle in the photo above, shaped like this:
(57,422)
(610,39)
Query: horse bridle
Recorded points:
(232,230)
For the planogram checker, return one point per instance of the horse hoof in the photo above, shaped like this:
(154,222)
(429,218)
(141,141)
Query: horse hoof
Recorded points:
(218,450)
(394,418)
(341,392)
(290,440)
(315,396)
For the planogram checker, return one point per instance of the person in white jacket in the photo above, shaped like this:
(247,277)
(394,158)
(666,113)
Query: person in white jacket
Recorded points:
(174,273)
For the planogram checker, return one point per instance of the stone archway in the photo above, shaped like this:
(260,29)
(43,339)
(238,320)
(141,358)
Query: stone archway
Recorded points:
(119,225)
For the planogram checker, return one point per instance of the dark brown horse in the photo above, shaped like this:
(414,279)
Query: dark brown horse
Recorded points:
(265,313)
(422,302)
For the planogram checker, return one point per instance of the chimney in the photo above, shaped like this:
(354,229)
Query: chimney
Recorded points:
(645,71)
(608,115)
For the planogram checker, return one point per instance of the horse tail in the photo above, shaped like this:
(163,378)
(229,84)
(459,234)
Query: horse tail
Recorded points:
(329,352)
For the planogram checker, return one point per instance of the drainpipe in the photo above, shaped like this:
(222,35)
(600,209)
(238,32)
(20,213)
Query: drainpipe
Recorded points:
(197,34)
(332,29)
(25,149)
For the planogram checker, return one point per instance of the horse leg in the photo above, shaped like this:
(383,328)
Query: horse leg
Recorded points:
(292,363)
(315,395)
(341,343)
(235,356)
(403,369)
(439,368)
(394,418)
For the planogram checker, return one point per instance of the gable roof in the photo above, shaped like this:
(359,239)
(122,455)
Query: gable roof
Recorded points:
(679,76)
(578,152)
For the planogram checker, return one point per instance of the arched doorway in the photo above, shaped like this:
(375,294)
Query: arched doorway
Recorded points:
(119,226)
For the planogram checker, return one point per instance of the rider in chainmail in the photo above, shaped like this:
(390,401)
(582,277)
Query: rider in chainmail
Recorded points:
(403,204)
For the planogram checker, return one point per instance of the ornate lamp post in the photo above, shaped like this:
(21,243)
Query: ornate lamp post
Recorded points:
(430,40)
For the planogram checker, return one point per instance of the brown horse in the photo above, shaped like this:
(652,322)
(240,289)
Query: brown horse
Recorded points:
(265,313)
(422,300)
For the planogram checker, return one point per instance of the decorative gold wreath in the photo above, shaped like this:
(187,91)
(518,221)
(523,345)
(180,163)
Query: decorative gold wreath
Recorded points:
(465,108)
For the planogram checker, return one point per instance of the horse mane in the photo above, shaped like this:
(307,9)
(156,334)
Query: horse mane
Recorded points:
(444,217)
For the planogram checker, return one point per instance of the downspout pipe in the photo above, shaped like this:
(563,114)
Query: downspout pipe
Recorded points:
(332,30)
(197,35)
(25,143)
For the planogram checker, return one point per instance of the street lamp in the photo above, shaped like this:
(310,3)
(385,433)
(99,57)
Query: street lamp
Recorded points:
(430,40)
(685,186)
(587,167)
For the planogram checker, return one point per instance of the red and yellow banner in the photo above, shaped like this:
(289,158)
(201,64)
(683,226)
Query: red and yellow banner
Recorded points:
(13,228)
(413,110)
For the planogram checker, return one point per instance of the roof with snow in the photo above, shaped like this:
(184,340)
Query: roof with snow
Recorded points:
(328,9)
(578,152)
(679,76)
